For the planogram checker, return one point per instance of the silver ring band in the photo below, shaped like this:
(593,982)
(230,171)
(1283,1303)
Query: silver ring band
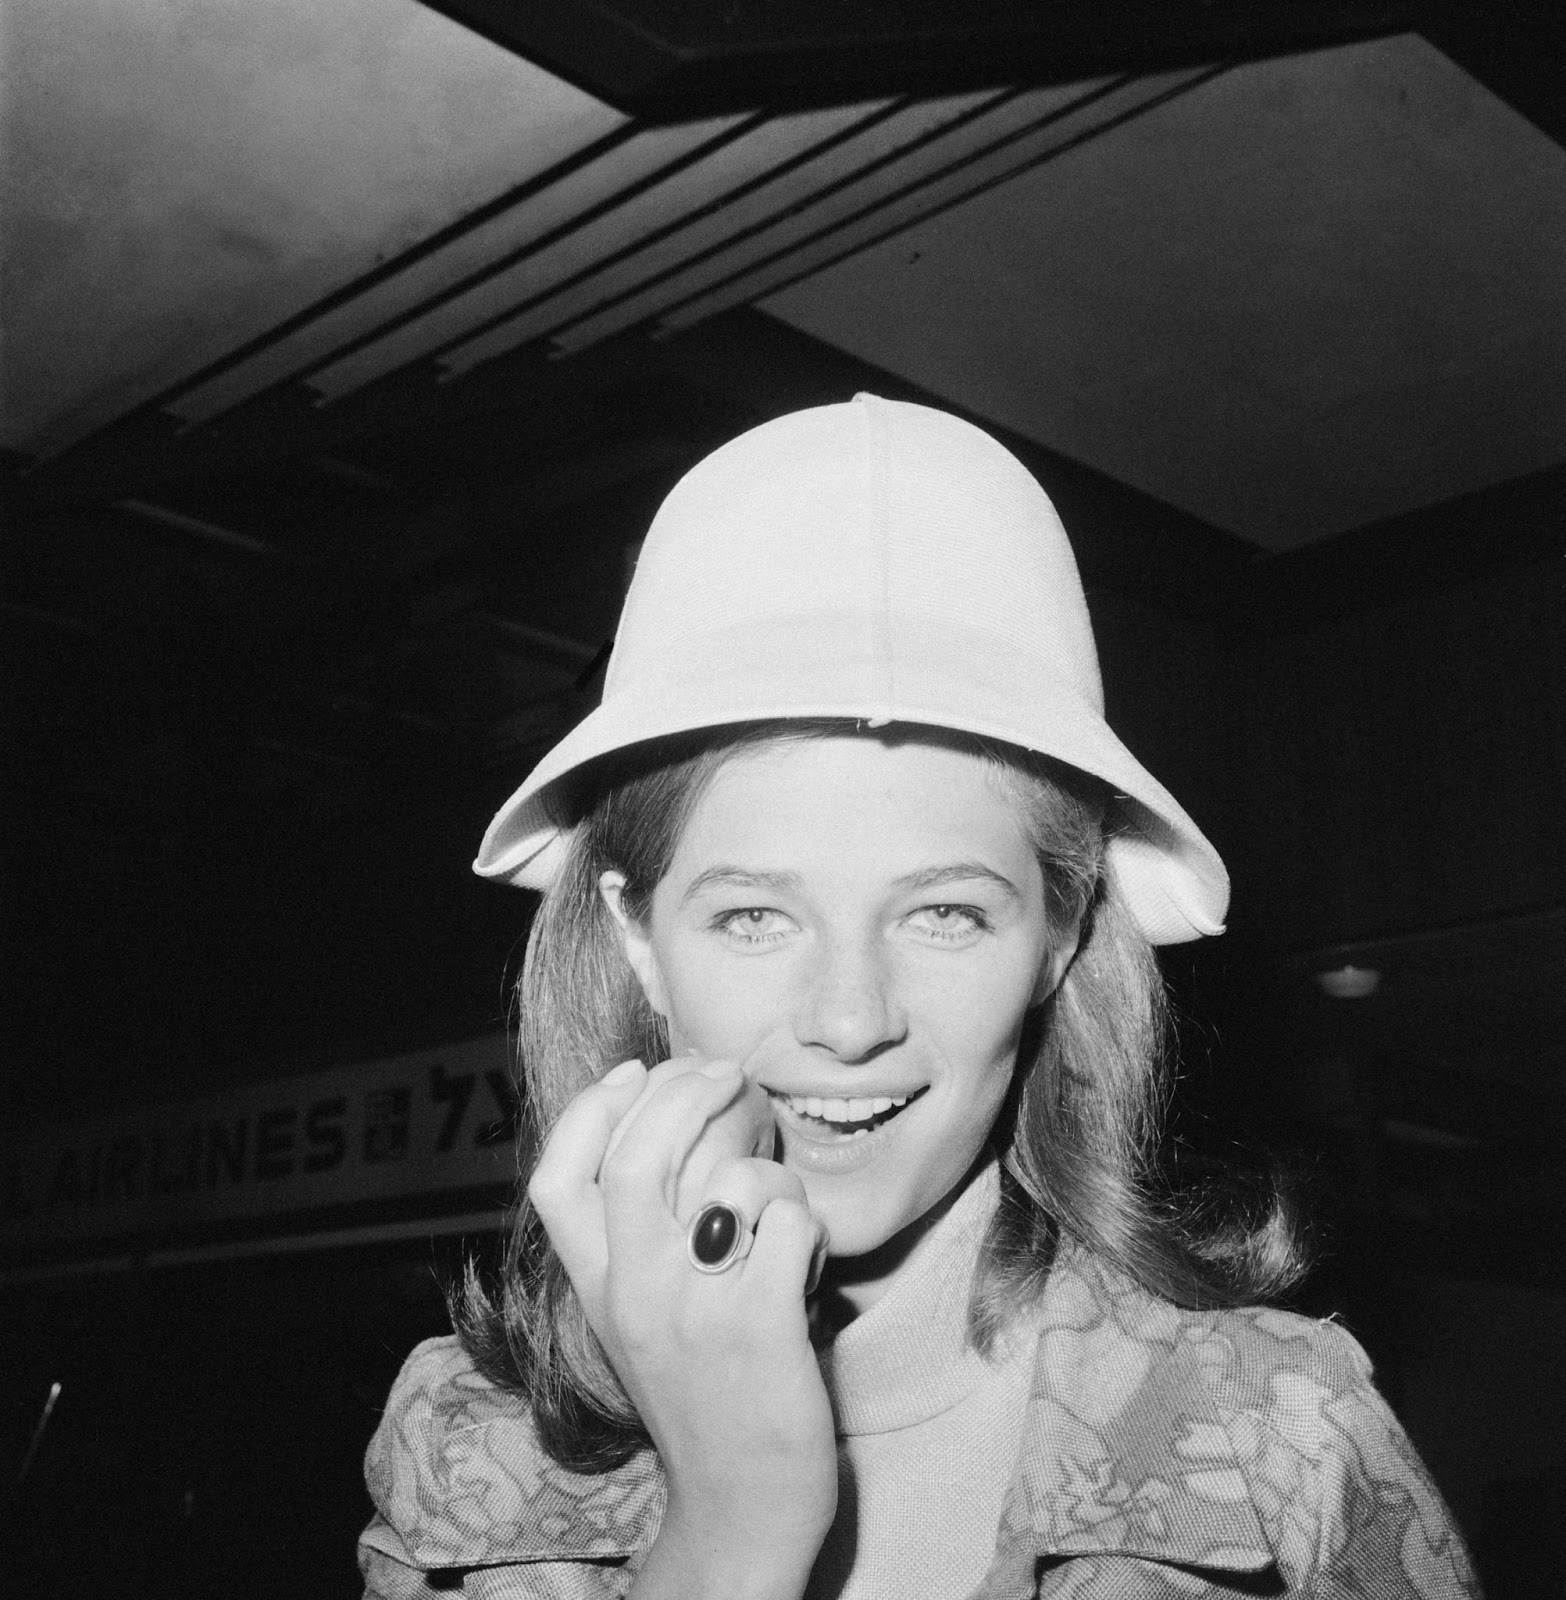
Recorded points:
(719,1235)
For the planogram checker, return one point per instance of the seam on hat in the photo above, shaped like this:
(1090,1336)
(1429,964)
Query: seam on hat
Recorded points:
(879,475)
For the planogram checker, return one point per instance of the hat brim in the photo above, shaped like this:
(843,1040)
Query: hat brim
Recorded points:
(1172,879)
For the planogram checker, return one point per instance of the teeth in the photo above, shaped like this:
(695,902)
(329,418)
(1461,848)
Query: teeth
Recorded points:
(860,1109)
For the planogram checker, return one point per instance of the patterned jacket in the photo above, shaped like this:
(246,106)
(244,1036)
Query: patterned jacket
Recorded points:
(1167,1453)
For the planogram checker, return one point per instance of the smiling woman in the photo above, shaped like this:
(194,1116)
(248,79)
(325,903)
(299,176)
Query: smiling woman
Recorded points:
(843,1268)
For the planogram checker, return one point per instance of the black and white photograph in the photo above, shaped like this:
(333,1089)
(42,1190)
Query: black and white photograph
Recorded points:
(784,799)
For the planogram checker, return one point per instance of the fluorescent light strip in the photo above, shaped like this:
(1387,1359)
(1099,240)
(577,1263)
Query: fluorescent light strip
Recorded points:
(691,188)
(891,156)
(910,141)
(474,252)
(563,128)
(811,246)
(642,258)
(918,137)
(833,136)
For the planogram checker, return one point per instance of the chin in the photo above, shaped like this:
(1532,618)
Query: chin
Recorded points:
(855,1228)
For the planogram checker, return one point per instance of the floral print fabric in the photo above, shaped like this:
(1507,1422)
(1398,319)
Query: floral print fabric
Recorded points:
(1166,1453)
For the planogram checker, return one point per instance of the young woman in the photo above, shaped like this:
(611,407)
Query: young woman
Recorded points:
(843,1269)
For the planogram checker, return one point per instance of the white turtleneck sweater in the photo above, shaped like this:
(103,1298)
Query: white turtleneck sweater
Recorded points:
(928,1430)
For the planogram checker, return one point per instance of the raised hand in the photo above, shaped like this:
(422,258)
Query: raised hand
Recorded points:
(719,1365)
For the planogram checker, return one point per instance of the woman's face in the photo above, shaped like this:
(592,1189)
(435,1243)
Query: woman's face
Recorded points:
(861,926)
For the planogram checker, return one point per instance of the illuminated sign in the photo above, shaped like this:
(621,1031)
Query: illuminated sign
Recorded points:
(434,1123)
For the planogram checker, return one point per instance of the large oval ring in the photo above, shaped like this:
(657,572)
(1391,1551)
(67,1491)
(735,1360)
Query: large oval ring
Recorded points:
(720,1234)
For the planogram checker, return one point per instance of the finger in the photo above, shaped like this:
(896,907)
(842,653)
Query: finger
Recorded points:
(574,1150)
(789,1243)
(657,1075)
(742,1187)
(639,1184)
(758,1120)
(563,1186)
(746,1128)
(750,1186)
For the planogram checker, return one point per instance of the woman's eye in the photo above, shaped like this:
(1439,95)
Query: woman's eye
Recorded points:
(950,924)
(753,925)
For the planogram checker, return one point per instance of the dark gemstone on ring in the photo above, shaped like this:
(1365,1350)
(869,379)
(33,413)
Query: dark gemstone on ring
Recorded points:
(715,1234)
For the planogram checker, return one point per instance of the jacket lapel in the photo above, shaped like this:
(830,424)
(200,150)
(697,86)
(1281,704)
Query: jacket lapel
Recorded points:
(1125,1449)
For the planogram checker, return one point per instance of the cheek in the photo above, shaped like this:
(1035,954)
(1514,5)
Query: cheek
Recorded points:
(978,1031)
(708,1007)
(981,1017)
(984,1093)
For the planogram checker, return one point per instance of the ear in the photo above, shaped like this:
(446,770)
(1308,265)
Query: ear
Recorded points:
(1056,963)
(637,944)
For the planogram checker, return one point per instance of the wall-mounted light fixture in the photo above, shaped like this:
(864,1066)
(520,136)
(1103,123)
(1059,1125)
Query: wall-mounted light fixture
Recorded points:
(1349,982)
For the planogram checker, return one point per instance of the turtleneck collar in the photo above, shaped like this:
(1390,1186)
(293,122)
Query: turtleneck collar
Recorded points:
(908,1358)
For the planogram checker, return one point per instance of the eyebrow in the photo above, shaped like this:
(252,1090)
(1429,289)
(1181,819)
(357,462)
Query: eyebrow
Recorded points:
(958,872)
(742,878)
(727,877)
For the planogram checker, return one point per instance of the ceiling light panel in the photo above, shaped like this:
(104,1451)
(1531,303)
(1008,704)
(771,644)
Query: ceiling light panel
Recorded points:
(884,156)
(645,221)
(382,303)
(811,147)
(597,209)
(476,254)
(673,222)
(637,288)
(1316,292)
(192,177)
(1057,120)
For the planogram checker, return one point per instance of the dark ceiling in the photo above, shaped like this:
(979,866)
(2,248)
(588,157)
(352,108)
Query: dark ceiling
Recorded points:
(681,58)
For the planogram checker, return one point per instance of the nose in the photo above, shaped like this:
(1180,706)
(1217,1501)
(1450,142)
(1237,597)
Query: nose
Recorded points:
(849,1005)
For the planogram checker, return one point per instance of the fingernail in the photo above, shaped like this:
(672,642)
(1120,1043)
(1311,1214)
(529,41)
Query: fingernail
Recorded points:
(622,1073)
(718,1069)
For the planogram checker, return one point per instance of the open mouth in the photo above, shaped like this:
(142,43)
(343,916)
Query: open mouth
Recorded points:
(846,1118)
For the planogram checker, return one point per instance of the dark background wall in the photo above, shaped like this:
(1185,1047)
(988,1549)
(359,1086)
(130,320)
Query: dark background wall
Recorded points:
(1398,707)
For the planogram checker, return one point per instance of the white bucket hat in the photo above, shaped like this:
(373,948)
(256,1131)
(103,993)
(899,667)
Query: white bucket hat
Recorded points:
(882,562)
